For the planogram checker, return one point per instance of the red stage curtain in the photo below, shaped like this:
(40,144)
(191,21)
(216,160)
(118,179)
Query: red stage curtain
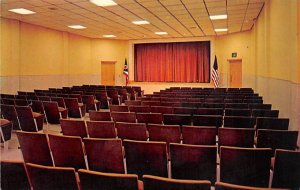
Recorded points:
(172,62)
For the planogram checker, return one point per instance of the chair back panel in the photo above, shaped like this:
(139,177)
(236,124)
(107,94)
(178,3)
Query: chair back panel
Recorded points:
(101,129)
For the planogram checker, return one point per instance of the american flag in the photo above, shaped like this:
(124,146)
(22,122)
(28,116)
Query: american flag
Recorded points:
(125,71)
(214,74)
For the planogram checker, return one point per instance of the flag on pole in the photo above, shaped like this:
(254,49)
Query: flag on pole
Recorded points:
(125,71)
(214,74)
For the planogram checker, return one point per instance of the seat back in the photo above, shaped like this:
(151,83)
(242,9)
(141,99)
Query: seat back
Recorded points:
(236,137)
(196,162)
(89,101)
(104,155)
(143,157)
(48,177)
(155,183)
(129,117)
(60,101)
(209,111)
(5,130)
(208,120)
(239,122)
(133,102)
(139,109)
(156,118)
(26,119)
(118,108)
(91,180)
(272,123)
(133,131)
(101,129)
(165,133)
(229,186)
(237,112)
(67,151)
(52,111)
(199,135)
(35,148)
(73,127)
(277,139)
(13,175)
(265,113)
(245,166)
(99,116)
(177,119)
(286,169)
(184,110)
(162,109)
(74,109)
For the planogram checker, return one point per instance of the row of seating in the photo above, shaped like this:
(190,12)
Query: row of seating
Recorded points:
(48,177)
(195,120)
(227,111)
(240,166)
(237,137)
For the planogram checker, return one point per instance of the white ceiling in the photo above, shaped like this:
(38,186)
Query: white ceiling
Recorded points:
(179,18)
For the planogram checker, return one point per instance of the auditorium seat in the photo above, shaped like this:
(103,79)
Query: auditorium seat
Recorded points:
(151,103)
(236,105)
(29,121)
(265,113)
(9,112)
(113,94)
(184,110)
(5,131)
(60,101)
(44,98)
(197,162)
(143,157)
(162,109)
(35,148)
(49,177)
(133,102)
(133,131)
(103,98)
(209,111)
(229,186)
(237,112)
(286,169)
(177,119)
(199,135)
(272,123)
(236,137)
(129,117)
(245,166)
(100,116)
(53,112)
(8,101)
(154,118)
(72,127)
(101,129)
(239,122)
(91,102)
(13,175)
(208,120)
(92,180)
(75,109)
(67,151)
(156,183)
(277,139)
(260,106)
(139,109)
(118,108)
(104,155)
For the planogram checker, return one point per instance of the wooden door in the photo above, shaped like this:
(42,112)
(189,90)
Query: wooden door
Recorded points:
(108,72)
(235,79)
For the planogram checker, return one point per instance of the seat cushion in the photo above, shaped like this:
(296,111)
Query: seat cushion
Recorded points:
(4,122)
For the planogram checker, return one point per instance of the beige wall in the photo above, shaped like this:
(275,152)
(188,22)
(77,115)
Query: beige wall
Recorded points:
(36,57)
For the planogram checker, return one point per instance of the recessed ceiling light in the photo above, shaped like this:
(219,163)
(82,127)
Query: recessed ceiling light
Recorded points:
(217,17)
(77,27)
(161,33)
(140,22)
(103,3)
(221,29)
(109,36)
(22,11)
